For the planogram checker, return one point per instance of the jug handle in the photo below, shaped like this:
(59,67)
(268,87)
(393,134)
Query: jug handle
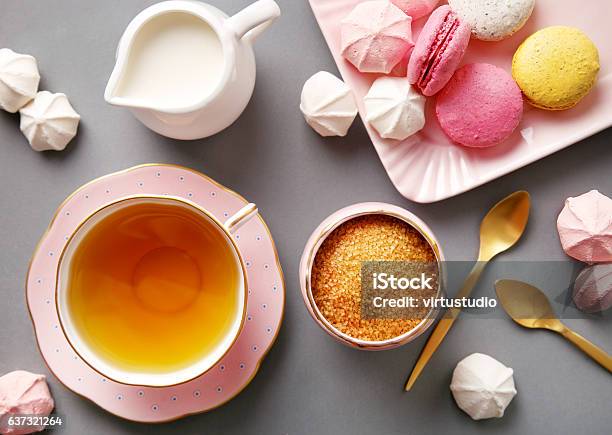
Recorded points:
(254,19)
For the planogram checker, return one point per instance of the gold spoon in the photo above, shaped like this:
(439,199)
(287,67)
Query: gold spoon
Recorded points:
(529,307)
(500,229)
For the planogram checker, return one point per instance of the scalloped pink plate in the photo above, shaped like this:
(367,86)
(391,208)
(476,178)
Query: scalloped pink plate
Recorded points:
(428,167)
(264,306)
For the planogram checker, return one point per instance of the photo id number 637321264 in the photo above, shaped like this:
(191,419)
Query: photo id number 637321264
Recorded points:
(23,421)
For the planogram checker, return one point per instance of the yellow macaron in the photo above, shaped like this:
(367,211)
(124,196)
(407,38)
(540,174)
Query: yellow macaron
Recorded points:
(556,67)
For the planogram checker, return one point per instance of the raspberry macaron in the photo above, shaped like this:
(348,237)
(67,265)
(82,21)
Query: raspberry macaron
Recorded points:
(438,51)
(480,107)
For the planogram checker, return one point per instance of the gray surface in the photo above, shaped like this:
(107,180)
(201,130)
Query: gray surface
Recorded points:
(308,384)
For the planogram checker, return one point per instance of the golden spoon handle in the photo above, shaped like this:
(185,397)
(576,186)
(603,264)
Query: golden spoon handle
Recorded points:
(444,325)
(470,281)
(589,348)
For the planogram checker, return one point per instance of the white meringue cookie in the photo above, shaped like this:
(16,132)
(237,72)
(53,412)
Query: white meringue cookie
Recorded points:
(328,104)
(19,79)
(394,108)
(49,121)
(24,393)
(585,227)
(593,288)
(482,386)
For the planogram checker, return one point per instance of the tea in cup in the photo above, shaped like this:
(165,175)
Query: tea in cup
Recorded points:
(152,290)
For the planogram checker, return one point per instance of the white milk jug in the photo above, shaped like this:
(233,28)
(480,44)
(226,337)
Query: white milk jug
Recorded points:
(187,70)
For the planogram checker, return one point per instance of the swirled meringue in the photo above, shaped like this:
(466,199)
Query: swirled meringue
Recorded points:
(49,121)
(19,79)
(24,393)
(482,386)
(593,288)
(376,36)
(394,108)
(328,104)
(585,227)
(416,8)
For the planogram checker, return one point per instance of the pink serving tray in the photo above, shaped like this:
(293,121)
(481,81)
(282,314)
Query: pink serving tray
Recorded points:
(428,167)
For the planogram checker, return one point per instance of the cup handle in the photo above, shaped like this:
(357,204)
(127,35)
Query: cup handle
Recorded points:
(241,217)
(254,19)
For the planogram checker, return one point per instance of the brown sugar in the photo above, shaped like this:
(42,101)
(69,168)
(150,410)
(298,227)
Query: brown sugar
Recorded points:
(336,272)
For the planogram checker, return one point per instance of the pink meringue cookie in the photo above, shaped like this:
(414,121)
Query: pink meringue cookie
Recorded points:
(23,393)
(593,288)
(416,8)
(376,36)
(585,227)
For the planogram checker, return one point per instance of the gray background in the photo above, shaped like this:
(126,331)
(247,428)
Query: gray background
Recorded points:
(308,383)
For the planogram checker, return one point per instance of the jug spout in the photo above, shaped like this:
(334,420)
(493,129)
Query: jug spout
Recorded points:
(111,98)
(254,19)
(112,94)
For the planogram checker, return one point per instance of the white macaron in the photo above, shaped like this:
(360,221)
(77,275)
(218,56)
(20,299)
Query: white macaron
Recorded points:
(493,20)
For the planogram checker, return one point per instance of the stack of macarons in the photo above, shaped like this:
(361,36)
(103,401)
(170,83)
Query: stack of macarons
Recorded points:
(477,105)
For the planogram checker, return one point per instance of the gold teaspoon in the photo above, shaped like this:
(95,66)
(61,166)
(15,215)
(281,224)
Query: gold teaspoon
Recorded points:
(529,307)
(500,229)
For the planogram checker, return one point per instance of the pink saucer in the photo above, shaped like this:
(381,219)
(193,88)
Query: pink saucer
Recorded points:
(232,374)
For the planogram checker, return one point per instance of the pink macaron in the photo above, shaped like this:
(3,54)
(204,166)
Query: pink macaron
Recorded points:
(480,107)
(438,51)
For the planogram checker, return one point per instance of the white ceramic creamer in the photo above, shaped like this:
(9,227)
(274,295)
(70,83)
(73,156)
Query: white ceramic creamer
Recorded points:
(186,69)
